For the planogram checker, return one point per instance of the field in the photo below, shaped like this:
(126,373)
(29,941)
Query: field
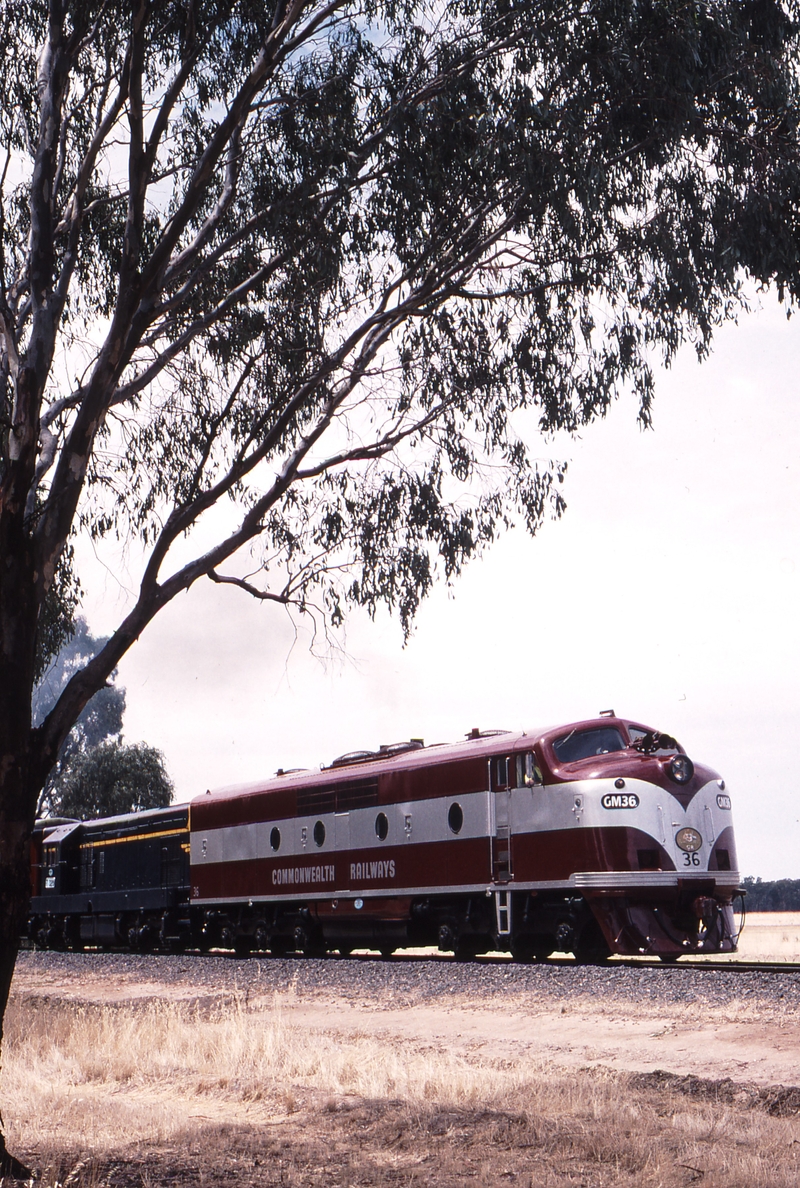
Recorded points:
(149,1072)
(771,936)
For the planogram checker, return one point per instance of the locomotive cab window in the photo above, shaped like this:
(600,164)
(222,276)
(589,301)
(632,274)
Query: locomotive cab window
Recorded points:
(527,771)
(585,744)
(500,772)
(653,742)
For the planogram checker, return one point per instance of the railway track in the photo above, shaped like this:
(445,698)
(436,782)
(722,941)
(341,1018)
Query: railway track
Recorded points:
(410,980)
(448,959)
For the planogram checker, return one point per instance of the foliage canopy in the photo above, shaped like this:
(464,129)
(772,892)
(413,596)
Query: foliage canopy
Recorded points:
(99,722)
(332,261)
(112,779)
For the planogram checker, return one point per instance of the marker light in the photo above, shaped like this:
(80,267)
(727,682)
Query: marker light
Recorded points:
(680,768)
(688,839)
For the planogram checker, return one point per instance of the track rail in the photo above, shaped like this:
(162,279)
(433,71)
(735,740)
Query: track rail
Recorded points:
(499,959)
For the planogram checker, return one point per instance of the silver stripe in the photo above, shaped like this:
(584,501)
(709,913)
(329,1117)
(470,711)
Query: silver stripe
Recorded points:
(413,821)
(588,880)
(626,879)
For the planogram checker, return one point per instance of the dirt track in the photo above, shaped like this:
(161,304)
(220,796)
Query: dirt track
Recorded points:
(709,1023)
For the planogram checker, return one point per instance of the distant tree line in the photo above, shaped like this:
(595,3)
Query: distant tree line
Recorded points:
(96,773)
(778,895)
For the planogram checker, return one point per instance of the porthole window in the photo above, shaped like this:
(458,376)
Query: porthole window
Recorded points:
(382,826)
(319,833)
(275,838)
(455,817)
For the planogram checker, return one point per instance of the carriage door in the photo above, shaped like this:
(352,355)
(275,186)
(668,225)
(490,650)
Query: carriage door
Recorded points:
(500,818)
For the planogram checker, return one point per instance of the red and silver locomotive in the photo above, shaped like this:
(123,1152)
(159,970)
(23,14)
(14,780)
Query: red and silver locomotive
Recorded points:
(595,838)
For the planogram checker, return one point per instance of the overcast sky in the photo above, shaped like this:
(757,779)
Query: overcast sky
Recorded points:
(668,592)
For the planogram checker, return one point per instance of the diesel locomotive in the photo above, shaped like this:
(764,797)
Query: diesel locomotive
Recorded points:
(594,838)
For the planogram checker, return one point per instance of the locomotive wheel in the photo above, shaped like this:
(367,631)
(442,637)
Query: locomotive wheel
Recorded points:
(261,938)
(592,947)
(50,938)
(243,946)
(140,939)
(279,946)
(386,951)
(307,943)
(669,958)
(344,950)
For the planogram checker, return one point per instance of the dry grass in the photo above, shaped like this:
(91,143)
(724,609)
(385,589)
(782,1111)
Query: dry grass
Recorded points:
(144,1095)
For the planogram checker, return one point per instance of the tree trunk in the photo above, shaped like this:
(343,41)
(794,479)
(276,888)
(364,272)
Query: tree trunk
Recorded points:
(18,771)
(15,892)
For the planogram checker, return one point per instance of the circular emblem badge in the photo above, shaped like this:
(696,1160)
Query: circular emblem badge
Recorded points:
(688,839)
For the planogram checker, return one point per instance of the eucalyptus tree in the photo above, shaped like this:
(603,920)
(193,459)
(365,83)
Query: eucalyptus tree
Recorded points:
(99,722)
(110,779)
(318,263)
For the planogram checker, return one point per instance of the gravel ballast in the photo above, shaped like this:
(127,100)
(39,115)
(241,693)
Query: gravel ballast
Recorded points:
(406,981)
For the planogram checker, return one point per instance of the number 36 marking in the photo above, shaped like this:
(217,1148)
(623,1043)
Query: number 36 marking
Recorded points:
(691,859)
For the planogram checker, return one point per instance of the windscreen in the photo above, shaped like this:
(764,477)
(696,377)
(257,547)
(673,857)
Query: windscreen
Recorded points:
(583,744)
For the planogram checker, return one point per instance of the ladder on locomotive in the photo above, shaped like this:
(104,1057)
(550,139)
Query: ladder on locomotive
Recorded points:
(500,794)
(501,837)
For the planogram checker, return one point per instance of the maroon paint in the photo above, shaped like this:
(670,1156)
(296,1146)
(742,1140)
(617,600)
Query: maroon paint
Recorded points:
(558,853)
(424,864)
(725,841)
(383,908)
(550,856)
(438,772)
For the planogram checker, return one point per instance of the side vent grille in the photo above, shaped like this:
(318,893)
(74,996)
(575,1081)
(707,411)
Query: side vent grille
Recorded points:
(340,799)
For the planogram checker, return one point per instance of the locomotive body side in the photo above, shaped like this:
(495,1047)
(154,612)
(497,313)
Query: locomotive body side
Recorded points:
(516,842)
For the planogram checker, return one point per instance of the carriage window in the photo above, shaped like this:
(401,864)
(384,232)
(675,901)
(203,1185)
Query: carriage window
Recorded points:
(584,744)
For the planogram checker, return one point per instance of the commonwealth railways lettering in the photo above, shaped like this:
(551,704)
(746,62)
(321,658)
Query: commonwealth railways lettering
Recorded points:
(295,876)
(363,871)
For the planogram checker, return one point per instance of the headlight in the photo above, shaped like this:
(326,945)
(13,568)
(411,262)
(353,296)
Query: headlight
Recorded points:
(688,839)
(680,768)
